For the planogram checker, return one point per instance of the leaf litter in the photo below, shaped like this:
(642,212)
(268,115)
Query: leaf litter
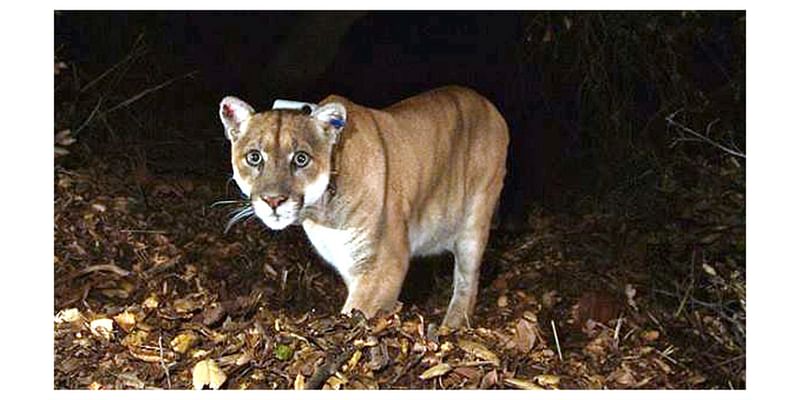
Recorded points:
(152,294)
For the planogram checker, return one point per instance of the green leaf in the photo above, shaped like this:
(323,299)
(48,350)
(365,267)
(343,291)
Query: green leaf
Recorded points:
(283,352)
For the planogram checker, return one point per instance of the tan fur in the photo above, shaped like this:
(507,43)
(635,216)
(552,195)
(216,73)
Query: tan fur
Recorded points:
(417,178)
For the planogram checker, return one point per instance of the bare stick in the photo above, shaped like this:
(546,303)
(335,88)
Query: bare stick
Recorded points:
(148,91)
(163,364)
(91,116)
(143,231)
(127,58)
(671,121)
(555,334)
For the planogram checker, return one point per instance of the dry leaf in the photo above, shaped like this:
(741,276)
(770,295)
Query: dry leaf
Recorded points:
(134,339)
(335,382)
(650,336)
(188,304)
(502,301)
(489,380)
(151,302)
(207,372)
(520,384)
(184,341)
(299,382)
(469,373)
(129,379)
(102,327)
(479,350)
(550,298)
(68,315)
(622,376)
(436,370)
(525,338)
(126,320)
(60,151)
(199,353)
(354,359)
(152,354)
(630,293)
(709,269)
(547,380)
(64,138)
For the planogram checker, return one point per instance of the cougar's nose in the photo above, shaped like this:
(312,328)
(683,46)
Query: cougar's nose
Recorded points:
(274,201)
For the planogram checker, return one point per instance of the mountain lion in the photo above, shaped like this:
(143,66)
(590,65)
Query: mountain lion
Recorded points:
(372,188)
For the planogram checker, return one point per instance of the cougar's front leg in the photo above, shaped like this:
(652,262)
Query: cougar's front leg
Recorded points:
(377,283)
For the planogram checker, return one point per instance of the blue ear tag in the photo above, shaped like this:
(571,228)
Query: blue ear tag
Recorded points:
(337,123)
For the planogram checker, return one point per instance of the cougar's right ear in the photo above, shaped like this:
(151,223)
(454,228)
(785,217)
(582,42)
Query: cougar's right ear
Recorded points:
(233,112)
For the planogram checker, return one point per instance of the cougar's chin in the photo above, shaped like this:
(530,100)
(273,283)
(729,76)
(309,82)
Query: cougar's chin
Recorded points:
(283,216)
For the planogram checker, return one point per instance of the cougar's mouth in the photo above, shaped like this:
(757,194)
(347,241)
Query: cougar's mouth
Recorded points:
(278,218)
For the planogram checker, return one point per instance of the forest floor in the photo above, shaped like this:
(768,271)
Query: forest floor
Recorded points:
(151,293)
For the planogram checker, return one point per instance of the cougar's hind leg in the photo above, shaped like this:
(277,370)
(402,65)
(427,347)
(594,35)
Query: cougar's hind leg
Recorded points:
(468,250)
(468,253)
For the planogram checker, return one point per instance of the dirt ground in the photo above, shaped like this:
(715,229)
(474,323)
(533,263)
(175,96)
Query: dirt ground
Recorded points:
(150,292)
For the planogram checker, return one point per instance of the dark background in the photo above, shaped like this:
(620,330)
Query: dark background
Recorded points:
(585,94)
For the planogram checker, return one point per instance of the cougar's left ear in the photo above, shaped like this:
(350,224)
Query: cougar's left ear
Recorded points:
(233,112)
(332,117)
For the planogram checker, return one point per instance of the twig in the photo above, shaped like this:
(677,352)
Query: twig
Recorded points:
(689,289)
(147,91)
(671,121)
(163,364)
(669,350)
(728,361)
(90,117)
(616,331)
(555,334)
(331,365)
(143,231)
(100,267)
(127,58)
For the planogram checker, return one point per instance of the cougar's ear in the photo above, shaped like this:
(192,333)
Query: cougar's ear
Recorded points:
(233,112)
(332,117)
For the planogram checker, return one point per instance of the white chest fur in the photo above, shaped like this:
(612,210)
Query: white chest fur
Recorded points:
(342,248)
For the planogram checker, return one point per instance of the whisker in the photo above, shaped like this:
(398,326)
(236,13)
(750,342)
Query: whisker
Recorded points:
(240,214)
(223,202)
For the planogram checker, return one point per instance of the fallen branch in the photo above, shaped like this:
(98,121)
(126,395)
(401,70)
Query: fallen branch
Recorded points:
(671,121)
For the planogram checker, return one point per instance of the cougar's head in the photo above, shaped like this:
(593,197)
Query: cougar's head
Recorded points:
(281,158)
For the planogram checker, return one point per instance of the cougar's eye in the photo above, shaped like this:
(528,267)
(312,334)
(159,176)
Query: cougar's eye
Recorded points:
(253,158)
(301,159)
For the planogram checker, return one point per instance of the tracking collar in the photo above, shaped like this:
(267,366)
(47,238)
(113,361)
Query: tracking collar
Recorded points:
(308,108)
